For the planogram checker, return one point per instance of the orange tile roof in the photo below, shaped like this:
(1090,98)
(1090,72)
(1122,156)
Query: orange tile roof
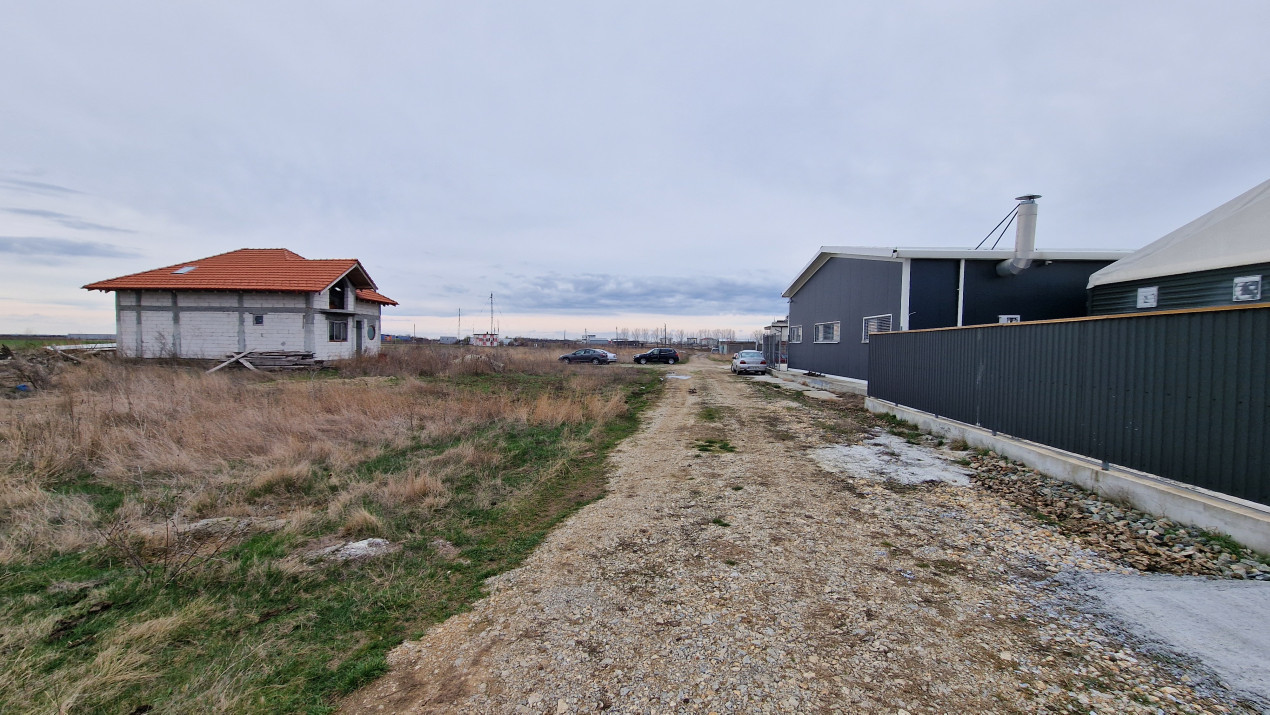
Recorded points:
(373,296)
(256,269)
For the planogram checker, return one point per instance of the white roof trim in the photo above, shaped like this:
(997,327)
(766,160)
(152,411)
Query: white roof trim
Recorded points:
(881,253)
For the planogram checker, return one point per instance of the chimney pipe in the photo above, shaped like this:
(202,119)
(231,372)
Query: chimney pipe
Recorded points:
(1024,238)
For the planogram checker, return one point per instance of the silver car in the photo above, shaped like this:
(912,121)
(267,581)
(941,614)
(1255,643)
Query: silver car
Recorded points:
(749,361)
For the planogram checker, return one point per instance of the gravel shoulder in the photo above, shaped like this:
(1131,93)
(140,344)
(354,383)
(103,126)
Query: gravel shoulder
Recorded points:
(729,571)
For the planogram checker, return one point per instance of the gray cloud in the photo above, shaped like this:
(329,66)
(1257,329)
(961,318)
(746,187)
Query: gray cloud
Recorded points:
(459,149)
(46,250)
(36,187)
(593,293)
(67,220)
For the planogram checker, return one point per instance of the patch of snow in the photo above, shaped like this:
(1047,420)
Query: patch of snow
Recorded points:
(887,457)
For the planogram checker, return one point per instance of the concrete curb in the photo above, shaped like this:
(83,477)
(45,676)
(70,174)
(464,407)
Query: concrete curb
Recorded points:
(1245,521)
(828,383)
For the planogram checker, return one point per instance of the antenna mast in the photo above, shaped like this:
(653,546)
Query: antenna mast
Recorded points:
(491,313)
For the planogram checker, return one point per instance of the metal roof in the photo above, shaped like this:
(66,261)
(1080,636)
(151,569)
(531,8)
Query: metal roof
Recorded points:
(1237,233)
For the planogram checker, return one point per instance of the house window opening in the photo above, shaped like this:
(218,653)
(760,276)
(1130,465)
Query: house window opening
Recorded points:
(338,297)
(828,332)
(338,331)
(875,324)
(795,333)
(370,331)
(257,320)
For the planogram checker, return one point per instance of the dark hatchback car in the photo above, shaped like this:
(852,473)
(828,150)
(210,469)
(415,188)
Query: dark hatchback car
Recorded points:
(597,357)
(666,355)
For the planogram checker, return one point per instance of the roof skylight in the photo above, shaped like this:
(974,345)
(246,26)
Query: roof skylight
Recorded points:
(185,269)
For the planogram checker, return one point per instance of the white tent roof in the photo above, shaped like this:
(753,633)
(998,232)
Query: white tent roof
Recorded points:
(1236,233)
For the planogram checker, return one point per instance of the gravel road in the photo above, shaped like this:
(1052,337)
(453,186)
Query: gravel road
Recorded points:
(755,580)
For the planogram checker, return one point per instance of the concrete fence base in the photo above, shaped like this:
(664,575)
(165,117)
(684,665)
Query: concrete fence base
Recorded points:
(1245,521)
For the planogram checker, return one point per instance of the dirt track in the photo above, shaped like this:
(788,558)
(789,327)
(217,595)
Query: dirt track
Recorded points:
(755,581)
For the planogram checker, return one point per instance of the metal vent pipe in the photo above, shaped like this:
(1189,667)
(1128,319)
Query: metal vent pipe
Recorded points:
(1024,238)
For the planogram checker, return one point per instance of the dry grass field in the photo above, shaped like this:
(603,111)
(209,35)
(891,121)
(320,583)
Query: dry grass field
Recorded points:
(157,523)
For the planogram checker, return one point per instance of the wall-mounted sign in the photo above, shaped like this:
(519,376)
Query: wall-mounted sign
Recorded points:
(1247,288)
(1009,319)
(1148,297)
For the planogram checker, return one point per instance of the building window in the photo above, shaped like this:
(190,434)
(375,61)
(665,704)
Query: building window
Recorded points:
(370,330)
(875,324)
(1247,288)
(828,332)
(337,330)
(338,297)
(257,320)
(795,333)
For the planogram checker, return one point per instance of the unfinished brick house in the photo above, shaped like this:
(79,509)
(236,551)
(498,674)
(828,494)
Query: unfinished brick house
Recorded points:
(252,299)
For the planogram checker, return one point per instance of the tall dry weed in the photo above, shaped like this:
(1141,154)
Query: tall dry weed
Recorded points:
(182,441)
(419,488)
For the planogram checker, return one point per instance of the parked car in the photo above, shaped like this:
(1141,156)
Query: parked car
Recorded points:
(749,361)
(666,355)
(591,355)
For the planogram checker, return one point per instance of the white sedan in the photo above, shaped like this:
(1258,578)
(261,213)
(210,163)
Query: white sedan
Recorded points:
(749,361)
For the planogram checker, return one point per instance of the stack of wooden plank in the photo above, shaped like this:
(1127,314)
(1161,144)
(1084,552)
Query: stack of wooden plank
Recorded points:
(271,360)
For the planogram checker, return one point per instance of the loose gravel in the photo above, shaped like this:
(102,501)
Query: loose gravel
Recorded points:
(754,580)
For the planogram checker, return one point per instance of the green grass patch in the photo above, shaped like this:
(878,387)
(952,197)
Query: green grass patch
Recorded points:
(256,628)
(714,446)
(710,414)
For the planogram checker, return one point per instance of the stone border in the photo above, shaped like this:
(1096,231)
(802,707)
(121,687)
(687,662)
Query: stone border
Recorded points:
(1245,521)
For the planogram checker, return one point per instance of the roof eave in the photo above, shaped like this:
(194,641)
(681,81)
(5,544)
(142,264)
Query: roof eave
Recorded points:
(880,253)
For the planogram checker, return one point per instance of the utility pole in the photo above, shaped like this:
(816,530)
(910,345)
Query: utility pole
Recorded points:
(491,313)
(458,329)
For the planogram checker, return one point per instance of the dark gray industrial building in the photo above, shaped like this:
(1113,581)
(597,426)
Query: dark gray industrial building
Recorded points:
(1219,259)
(847,292)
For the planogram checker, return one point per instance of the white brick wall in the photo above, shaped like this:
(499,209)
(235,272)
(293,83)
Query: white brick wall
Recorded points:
(208,335)
(275,300)
(208,299)
(126,340)
(156,333)
(281,331)
(213,334)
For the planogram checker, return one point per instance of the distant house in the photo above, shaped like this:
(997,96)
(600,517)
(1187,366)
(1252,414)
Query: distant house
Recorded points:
(488,340)
(448,340)
(253,299)
(728,347)
(1221,258)
(845,293)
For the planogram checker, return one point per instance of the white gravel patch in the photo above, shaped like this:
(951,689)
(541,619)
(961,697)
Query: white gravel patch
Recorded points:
(886,457)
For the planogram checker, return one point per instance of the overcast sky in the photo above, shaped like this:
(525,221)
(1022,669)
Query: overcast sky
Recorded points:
(601,164)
